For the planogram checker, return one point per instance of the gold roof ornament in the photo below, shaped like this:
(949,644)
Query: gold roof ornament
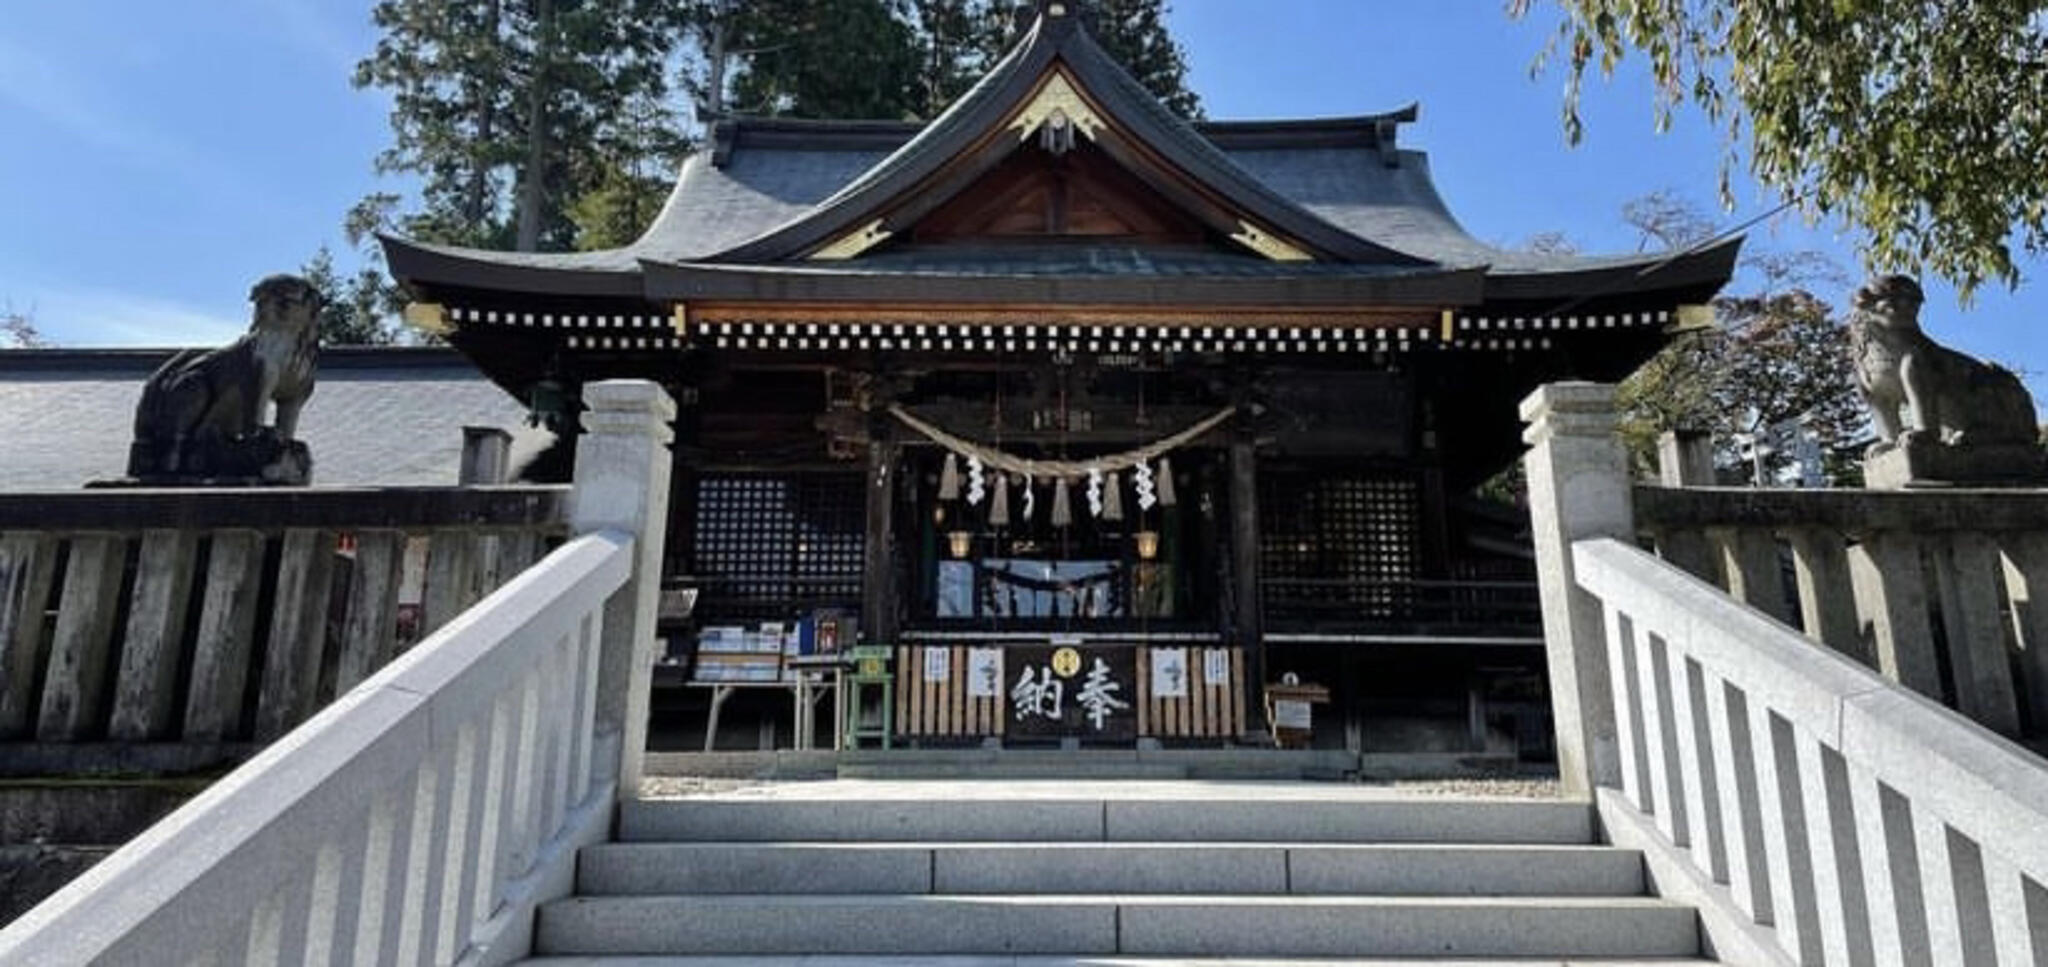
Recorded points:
(679,320)
(1060,105)
(1272,248)
(428,317)
(853,243)
(1692,318)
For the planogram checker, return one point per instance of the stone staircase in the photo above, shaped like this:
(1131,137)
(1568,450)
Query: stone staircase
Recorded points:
(1072,873)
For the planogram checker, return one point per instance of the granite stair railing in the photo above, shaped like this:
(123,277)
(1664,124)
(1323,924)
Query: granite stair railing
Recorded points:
(1815,810)
(426,813)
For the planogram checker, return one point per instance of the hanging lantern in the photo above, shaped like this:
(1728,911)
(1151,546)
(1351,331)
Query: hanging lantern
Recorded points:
(1112,500)
(1062,507)
(1165,482)
(959,542)
(949,479)
(1148,544)
(999,505)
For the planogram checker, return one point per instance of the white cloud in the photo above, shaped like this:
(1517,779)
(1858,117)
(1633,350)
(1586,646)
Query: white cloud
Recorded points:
(87,317)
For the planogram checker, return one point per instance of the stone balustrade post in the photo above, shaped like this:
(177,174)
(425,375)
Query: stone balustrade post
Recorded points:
(622,483)
(1579,487)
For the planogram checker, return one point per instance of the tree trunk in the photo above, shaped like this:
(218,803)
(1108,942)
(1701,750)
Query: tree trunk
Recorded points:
(714,86)
(473,210)
(533,180)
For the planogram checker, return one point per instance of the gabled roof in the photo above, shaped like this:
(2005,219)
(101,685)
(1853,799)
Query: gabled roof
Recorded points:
(1327,211)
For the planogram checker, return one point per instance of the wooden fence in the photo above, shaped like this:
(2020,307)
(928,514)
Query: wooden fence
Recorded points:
(212,618)
(942,708)
(1943,592)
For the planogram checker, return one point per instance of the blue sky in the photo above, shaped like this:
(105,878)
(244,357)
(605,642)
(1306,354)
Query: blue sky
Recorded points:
(162,157)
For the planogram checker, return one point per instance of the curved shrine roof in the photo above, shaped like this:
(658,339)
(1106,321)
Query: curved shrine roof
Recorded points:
(751,212)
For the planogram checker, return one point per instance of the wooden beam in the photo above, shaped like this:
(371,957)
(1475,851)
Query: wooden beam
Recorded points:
(878,568)
(1047,314)
(1244,551)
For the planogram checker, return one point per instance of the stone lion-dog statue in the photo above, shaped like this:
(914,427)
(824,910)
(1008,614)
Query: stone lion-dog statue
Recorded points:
(202,414)
(1921,392)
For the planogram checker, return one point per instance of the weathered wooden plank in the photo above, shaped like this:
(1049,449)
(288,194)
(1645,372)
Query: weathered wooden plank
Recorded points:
(145,690)
(141,508)
(1968,576)
(28,566)
(1244,550)
(298,632)
(1689,551)
(1891,598)
(956,681)
(74,690)
(227,627)
(1754,575)
(450,582)
(905,694)
(2027,588)
(369,634)
(1827,596)
(878,568)
(1144,690)
(1238,690)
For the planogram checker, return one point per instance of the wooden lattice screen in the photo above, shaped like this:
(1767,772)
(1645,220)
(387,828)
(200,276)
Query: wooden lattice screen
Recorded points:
(1340,545)
(767,544)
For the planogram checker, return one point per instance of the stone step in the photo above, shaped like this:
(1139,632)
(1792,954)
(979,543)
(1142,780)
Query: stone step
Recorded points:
(1111,924)
(1242,819)
(999,769)
(1000,960)
(1157,868)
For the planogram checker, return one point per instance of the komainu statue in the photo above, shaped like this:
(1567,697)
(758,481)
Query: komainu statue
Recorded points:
(202,415)
(1941,417)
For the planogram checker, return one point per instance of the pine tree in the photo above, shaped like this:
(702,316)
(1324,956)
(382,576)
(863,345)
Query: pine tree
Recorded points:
(826,59)
(1133,32)
(352,311)
(506,109)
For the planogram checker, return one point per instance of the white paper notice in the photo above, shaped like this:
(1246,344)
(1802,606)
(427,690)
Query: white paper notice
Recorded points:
(1215,667)
(1170,672)
(938,664)
(1290,715)
(984,672)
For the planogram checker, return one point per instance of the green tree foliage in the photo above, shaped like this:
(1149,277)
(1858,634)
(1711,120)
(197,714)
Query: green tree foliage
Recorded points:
(1925,124)
(555,124)
(1772,365)
(18,330)
(1133,32)
(354,311)
(508,111)
(826,59)
(1773,362)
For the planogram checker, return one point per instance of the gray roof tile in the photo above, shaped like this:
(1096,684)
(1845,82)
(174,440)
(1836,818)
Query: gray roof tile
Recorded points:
(367,425)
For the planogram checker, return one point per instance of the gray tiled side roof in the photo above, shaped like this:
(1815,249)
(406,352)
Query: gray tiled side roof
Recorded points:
(367,425)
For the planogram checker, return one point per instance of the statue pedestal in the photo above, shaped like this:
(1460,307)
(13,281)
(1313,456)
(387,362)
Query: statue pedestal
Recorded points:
(259,459)
(1916,462)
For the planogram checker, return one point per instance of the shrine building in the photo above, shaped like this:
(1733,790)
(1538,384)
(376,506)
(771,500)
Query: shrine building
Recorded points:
(1096,419)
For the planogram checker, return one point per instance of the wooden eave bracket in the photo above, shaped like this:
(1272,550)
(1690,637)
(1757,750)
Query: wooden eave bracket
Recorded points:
(428,317)
(853,243)
(1258,240)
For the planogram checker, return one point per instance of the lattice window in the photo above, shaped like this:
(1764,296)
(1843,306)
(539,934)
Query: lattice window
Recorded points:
(1345,545)
(768,543)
